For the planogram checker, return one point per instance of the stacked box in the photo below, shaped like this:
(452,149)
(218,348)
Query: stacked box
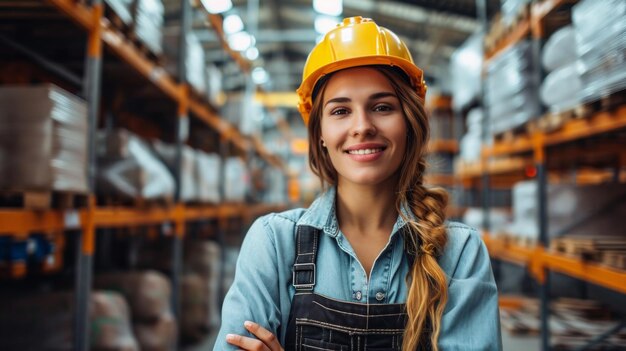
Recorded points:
(194,60)
(572,209)
(149,296)
(208,168)
(167,153)
(510,89)
(561,87)
(236,180)
(149,24)
(600,46)
(43,139)
(129,169)
(45,323)
(465,67)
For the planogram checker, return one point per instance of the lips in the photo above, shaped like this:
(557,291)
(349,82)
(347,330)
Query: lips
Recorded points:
(365,152)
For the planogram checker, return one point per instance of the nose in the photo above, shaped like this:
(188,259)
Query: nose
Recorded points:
(362,124)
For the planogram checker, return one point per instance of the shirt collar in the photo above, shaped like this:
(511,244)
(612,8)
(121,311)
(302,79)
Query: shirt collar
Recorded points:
(322,215)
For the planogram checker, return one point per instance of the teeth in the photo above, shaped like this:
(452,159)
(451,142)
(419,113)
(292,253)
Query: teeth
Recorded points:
(364,151)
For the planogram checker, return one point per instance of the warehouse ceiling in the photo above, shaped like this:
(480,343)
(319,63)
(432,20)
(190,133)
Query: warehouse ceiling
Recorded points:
(285,34)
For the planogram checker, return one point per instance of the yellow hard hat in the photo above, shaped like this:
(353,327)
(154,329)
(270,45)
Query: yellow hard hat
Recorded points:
(357,41)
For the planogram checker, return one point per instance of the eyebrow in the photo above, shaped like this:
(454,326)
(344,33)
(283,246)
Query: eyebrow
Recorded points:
(375,96)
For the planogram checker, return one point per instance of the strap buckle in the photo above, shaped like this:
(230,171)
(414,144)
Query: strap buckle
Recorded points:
(300,267)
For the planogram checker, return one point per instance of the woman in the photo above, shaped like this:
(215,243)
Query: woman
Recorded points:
(371,264)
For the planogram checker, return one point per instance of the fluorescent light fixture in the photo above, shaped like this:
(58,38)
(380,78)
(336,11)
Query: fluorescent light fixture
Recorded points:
(232,24)
(252,53)
(240,41)
(217,6)
(324,23)
(259,76)
(328,7)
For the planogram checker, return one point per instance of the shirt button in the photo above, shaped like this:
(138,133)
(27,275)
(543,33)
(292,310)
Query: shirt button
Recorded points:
(380,296)
(358,296)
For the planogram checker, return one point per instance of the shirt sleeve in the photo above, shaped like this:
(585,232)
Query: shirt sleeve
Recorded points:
(471,320)
(254,294)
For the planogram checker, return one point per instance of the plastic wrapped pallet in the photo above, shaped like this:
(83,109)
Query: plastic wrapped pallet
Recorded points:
(123,9)
(148,293)
(559,90)
(214,85)
(560,49)
(510,91)
(45,323)
(572,209)
(208,170)
(194,323)
(57,121)
(149,24)
(236,180)
(465,68)
(601,46)
(167,153)
(128,168)
(159,335)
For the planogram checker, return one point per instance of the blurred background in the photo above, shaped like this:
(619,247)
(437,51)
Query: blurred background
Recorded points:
(139,139)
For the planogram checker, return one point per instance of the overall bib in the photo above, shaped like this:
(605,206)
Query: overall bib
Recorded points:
(319,323)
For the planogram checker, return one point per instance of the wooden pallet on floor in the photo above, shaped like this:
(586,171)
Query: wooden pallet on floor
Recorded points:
(42,200)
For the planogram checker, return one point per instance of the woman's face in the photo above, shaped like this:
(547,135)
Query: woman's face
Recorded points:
(363,127)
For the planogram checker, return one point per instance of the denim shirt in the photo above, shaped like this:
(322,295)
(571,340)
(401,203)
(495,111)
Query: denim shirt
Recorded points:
(262,289)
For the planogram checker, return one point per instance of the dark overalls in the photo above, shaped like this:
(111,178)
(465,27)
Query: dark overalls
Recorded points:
(319,323)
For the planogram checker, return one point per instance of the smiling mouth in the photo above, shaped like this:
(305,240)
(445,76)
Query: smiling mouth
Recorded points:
(365,151)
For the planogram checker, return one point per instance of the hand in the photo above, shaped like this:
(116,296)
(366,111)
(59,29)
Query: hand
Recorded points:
(266,340)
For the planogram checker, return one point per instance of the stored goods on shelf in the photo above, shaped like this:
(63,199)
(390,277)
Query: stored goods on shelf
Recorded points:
(158,335)
(471,143)
(214,85)
(149,24)
(499,219)
(601,46)
(123,9)
(194,60)
(43,139)
(510,90)
(560,49)
(188,185)
(44,322)
(236,180)
(148,292)
(511,9)
(17,255)
(194,316)
(572,209)
(208,170)
(129,169)
(465,67)
(560,89)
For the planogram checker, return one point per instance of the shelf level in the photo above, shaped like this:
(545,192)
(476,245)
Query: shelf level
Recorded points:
(536,258)
(443,145)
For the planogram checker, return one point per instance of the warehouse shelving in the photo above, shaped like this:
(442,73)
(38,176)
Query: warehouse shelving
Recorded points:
(536,258)
(18,223)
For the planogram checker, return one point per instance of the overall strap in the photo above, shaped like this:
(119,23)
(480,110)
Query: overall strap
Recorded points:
(307,241)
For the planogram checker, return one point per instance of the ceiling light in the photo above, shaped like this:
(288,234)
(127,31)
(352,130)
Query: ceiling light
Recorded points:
(252,53)
(240,41)
(232,24)
(259,75)
(217,6)
(328,7)
(324,23)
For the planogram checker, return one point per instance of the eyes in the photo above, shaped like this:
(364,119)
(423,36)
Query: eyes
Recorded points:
(381,108)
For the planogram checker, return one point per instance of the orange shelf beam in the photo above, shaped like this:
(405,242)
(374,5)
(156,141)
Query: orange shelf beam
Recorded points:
(19,223)
(440,179)
(79,13)
(590,272)
(520,32)
(443,145)
(540,10)
(110,217)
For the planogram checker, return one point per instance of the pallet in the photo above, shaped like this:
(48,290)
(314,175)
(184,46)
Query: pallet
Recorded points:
(608,250)
(510,135)
(42,200)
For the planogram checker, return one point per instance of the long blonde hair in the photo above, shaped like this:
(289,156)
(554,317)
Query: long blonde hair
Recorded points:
(426,236)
